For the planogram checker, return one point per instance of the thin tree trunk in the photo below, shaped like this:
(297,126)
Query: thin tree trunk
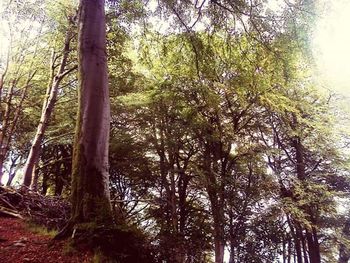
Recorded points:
(289,255)
(284,250)
(45,185)
(9,128)
(232,252)
(218,217)
(48,106)
(58,179)
(314,251)
(13,170)
(4,134)
(316,245)
(232,237)
(344,252)
(298,249)
(1,167)
(12,175)
(296,238)
(9,125)
(10,179)
(5,70)
(34,185)
(305,254)
(219,245)
(182,190)
(216,207)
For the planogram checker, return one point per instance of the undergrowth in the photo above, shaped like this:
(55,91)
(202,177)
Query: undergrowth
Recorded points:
(40,230)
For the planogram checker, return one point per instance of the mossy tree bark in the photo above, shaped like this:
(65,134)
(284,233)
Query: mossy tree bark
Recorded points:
(91,221)
(90,183)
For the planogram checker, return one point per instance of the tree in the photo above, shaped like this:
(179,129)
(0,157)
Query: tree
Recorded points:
(92,221)
(47,109)
(18,69)
(218,142)
(90,185)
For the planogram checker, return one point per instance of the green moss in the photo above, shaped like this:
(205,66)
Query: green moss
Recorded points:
(97,209)
(40,230)
(111,243)
(99,257)
(69,249)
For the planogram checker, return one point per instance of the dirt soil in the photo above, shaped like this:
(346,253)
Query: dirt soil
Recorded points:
(18,244)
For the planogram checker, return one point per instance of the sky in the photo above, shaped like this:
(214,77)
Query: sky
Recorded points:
(331,43)
(3,33)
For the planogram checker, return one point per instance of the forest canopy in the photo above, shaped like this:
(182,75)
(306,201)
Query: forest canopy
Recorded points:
(212,137)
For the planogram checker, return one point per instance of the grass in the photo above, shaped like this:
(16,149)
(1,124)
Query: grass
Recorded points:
(69,249)
(40,230)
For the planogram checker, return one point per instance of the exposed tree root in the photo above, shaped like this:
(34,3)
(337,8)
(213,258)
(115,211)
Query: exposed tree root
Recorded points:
(10,212)
(110,243)
(65,232)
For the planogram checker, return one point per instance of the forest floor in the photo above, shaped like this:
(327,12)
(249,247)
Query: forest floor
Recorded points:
(20,242)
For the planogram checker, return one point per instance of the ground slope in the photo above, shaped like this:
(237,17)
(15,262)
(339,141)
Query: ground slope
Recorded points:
(18,244)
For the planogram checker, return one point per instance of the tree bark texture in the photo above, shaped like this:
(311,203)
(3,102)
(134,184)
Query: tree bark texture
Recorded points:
(314,247)
(216,206)
(1,166)
(344,252)
(90,182)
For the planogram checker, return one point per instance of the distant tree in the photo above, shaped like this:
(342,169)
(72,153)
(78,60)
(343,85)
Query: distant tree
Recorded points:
(18,69)
(48,106)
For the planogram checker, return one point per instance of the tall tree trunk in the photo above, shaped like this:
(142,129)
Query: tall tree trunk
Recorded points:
(219,243)
(45,184)
(344,252)
(90,182)
(58,179)
(232,258)
(91,208)
(297,242)
(1,166)
(303,242)
(216,205)
(311,237)
(34,185)
(218,227)
(297,239)
(316,245)
(289,253)
(47,109)
(314,248)
(231,236)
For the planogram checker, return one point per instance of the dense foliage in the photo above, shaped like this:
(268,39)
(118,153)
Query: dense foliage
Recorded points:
(222,142)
